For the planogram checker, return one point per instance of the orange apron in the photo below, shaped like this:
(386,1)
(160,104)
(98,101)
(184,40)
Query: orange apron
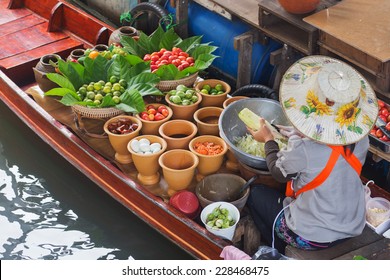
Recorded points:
(323,175)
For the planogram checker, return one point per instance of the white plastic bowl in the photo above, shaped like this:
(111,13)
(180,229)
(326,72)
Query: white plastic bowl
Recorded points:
(377,211)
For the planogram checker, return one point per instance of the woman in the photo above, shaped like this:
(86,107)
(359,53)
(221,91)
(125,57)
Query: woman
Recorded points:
(332,109)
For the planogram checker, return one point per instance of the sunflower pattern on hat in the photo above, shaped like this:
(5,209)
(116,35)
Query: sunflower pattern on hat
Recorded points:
(328,101)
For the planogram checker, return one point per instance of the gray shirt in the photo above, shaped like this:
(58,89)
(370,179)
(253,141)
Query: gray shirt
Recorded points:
(335,209)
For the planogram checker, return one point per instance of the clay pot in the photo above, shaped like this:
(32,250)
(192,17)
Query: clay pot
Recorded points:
(207,120)
(119,141)
(183,112)
(178,133)
(151,127)
(116,35)
(76,54)
(232,99)
(178,168)
(147,164)
(100,47)
(209,100)
(299,7)
(42,68)
(208,164)
(222,187)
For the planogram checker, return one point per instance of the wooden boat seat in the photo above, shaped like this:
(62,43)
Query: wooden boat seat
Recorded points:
(48,28)
(369,244)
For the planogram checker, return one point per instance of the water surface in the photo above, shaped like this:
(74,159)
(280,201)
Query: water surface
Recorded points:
(49,210)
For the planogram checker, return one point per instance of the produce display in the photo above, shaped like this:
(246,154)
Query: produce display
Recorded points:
(176,56)
(171,57)
(122,126)
(220,218)
(154,114)
(143,146)
(207,148)
(183,95)
(384,115)
(217,89)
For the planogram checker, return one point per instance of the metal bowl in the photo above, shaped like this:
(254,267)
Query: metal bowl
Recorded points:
(231,127)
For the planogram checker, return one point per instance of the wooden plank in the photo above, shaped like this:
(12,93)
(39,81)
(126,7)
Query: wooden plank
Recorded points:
(367,237)
(364,25)
(28,39)
(8,15)
(243,44)
(379,250)
(246,10)
(20,24)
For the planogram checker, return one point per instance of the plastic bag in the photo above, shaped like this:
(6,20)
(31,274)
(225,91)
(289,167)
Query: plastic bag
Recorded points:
(269,253)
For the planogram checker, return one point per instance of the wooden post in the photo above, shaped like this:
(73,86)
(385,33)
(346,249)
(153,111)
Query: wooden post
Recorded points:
(182,18)
(243,44)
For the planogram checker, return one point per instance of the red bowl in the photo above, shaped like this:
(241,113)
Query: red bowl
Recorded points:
(186,202)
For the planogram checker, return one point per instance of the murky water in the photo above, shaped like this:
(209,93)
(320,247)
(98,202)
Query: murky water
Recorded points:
(49,210)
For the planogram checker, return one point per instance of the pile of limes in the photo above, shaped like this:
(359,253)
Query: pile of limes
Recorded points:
(183,95)
(216,90)
(220,218)
(96,91)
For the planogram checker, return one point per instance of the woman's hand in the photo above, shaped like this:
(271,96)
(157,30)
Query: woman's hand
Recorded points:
(264,134)
(289,131)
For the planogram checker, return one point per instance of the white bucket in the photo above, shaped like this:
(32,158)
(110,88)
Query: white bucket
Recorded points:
(226,233)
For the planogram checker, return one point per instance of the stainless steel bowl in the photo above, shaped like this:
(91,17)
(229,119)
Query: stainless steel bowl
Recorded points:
(231,127)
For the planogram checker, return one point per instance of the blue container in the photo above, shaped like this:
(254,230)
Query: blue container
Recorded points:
(221,32)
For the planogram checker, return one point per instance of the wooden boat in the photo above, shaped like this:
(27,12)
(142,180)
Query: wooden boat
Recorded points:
(27,32)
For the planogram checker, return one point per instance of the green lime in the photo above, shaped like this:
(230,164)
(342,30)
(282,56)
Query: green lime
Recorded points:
(90,88)
(206,87)
(204,91)
(219,87)
(116,93)
(116,99)
(116,87)
(91,95)
(123,83)
(113,79)
(96,102)
(98,97)
(97,86)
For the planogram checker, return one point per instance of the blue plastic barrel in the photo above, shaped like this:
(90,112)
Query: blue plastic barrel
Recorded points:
(221,32)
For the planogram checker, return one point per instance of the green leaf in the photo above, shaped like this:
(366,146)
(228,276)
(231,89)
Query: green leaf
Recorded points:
(202,49)
(132,102)
(73,71)
(60,80)
(144,78)
(186,72)
(70,100)
(147,89)
(139,68)
(169,40)
(96,69)
(155,38)
(189,43)
(145,44)
(133,59)
(107,102)
(204,61)
(167,72)
(131,46)
(60,92)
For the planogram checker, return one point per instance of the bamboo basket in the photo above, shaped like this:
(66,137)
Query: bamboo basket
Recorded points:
(172,84)
(97,114)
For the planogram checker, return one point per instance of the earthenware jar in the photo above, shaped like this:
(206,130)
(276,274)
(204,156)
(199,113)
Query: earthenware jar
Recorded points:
(209,99)
(75,55)
(178,133)
(119,141)
(150,127)
(100,47)
(232,99)
(206,119)
(183,112)
(299,7)
(147,163)
(115,37)
(178,167)
(208,163)
(44,67)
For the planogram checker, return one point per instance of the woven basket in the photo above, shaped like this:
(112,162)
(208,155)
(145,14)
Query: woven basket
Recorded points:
(172,84)
(96,113)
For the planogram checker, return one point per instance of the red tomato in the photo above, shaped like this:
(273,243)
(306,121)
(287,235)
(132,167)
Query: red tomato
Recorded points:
(153,67)
(373,132)
(182,57)
(379,133)
(183,54)
(161,52)
(152,111)
(150,106)
(190,59)
(147,57)
(160,108)
(388,118)
(388,126)
(384,112)
(164,112)
(158,117)
(185,64)
(164,62)
(381,104)
(151,117)
(154,57)
(383,118)
(384,138)
(180,67)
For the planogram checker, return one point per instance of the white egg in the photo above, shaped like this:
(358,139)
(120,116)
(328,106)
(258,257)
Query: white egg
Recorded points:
(135,145)
(144,147)
(144,140)
(155,146)
(148,153)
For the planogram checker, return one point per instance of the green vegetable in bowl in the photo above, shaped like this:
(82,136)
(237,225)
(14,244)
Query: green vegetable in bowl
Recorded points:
(220,218)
